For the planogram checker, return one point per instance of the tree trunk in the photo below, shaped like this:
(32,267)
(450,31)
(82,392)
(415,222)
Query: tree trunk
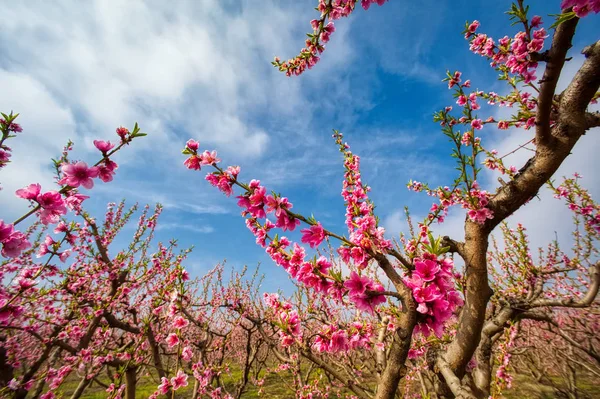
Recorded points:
(130,381)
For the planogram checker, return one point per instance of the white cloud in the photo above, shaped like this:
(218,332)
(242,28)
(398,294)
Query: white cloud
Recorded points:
(202,229)
(199,69)
(43,137)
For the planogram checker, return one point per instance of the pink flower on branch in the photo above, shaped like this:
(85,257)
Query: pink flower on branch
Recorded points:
(180,380)
(172,340)
(180,322)
(314,235)
(14,245)
(362,291)
(103,146)
(79,174)
(5,230)
(30,192)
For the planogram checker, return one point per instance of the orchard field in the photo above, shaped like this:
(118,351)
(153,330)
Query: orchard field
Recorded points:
(460,261)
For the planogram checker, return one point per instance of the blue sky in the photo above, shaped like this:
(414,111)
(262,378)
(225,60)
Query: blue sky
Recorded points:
(202,69)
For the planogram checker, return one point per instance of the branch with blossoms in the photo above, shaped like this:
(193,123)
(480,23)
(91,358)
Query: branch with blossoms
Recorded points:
(51,205)
(323,27)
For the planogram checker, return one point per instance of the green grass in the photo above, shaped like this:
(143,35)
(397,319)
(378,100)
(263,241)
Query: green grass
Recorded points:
(276,387)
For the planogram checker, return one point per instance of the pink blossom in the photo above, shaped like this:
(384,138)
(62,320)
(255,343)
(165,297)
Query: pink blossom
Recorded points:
(472,28)
(314,235)
(368,301)
(180,380)
(357,284)
(103,146)
(186,354)
(74,201)
(192,162)
(64,255)
(280,205)
(480,215)
(339,341)
(209,158)
(427,269)
(172,340)
(192,145)
(5,230)
(503,125)
(122,132)
(180,322)
(14,244)
(164,386)
(106,171)
(536,21)
(358,288)
(30,192)
(13,127)
(79,174)
(476,124)
(53,206)
(45,247)
(4,155)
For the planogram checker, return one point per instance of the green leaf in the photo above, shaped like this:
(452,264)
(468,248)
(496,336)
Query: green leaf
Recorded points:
(562,18)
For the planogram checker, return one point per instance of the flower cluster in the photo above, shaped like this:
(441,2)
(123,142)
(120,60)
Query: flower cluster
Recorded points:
(503,378)
(474,200)
(13,241)
(176,382)
(363,292)
(285,318)
(514,54)
(51,204)
(365,234)
(334,339)
(314,273)
(580,202)
(7,128)
(322,29)
(195,161)
(432,284)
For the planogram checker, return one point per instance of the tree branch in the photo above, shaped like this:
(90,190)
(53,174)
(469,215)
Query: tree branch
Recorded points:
(456,247)
(592,119)
(561,43)
(570,302)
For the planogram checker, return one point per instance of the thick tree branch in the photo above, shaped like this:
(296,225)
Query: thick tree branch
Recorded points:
(116,323)
(555,57)
(396,368)
(453,381)
(456,247)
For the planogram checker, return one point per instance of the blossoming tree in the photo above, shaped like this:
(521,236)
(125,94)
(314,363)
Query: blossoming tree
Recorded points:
(415,292)
(127,313)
